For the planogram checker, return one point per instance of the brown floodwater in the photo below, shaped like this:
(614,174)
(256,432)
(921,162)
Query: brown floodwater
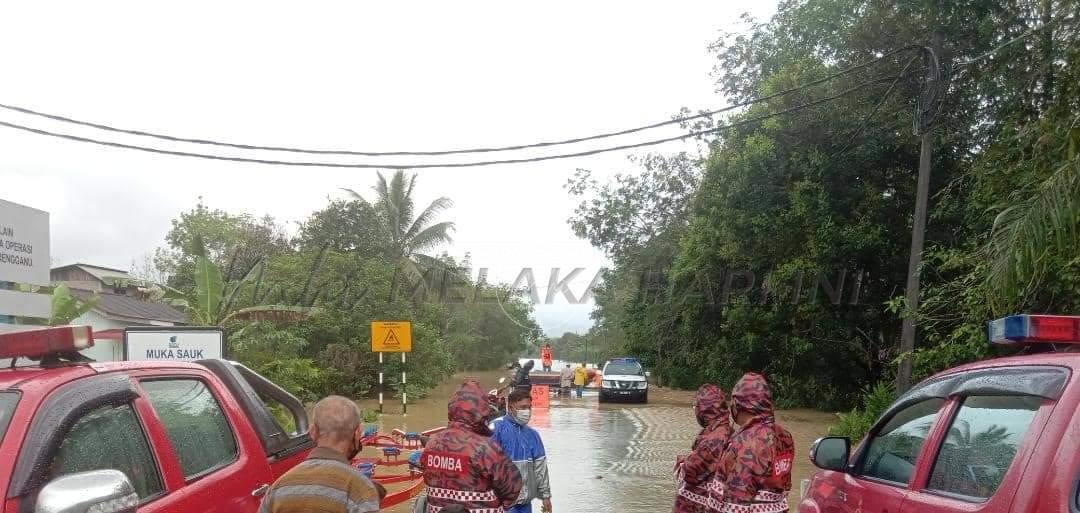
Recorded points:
(610,457)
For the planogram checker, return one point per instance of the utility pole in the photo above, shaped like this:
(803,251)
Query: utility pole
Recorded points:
(928,104)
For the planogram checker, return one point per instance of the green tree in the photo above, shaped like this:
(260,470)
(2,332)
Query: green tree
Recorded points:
(213,301)
(792,202)
(411,234)
(235,243)
(351,227)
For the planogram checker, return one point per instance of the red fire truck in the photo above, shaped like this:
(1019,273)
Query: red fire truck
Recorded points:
(996,436)
(162,437)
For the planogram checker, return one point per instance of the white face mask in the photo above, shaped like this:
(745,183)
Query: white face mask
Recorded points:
(522,416)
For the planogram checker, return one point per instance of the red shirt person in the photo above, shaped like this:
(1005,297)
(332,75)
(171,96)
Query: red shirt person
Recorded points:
(756,466)
(545,357)
(462,465)
(697,471)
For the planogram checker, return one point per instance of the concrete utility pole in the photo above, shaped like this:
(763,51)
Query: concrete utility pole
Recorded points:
(928,104)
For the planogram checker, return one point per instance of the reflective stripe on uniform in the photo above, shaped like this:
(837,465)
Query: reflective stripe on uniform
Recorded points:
(699,499)
(761,507)
(764,502)
(437,509)
(714,500)
(764,496)
(461,495)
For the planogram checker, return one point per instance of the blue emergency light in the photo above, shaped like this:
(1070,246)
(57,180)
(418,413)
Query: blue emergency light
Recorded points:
(1019,329)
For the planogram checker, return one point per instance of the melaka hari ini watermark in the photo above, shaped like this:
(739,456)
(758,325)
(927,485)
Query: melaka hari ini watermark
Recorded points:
(456,285)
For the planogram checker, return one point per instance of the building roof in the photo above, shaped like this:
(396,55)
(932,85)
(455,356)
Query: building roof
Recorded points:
(115,305)
(106,275)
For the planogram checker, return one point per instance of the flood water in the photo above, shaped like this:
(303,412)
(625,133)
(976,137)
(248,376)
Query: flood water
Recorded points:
(615,457)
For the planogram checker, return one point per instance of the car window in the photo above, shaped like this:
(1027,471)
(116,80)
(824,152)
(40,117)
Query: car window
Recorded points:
(981,444)
(8,400)
(109,438)
(623,369)
(196,425)
(284,417)
(890,455)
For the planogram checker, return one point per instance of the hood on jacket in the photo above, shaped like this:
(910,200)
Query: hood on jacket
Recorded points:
(751,394)
(469,408)
(710,405)
(529,365)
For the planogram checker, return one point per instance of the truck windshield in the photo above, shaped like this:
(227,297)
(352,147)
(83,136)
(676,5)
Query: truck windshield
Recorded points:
(623,369)
(8,400)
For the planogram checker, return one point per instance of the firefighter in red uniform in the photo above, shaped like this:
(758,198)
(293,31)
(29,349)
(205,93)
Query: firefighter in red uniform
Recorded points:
(756,466)
(696,472)
(462,465)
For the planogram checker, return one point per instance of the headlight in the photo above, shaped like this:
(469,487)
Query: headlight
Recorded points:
(641,385)
(607,384)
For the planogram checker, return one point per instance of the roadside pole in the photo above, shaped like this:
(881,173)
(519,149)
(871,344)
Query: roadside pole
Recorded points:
(928,107)
(392,337)
(918,229)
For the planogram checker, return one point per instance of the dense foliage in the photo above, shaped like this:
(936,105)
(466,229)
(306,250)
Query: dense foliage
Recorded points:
(299,309)
(784,249)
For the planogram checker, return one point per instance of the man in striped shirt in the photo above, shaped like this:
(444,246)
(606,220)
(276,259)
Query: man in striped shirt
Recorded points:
(326,482)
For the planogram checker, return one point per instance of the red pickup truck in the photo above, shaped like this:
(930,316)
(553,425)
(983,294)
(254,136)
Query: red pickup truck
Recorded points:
(996,436)
(159,437)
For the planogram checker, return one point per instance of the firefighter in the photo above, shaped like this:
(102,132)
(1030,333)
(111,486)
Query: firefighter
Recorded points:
(696,472)
(756,466)
(462,465)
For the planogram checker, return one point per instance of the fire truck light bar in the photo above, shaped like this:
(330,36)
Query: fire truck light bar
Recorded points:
(36,343)
(1019,329)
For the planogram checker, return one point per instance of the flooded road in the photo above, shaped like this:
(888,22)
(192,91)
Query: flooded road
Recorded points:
(618,458)
(612,457)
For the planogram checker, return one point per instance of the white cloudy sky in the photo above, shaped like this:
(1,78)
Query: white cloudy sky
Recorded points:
(377,76)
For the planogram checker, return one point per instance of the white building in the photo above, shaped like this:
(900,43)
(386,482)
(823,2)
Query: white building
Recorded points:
(121,305)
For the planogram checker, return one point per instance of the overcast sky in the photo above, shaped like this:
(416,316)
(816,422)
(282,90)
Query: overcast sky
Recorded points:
(381,76)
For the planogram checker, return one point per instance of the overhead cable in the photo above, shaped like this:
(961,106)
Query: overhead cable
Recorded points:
(355,153)
(873,112)
(653,142)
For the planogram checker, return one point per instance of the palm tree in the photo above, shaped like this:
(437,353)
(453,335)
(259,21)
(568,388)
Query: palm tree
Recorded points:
(1027,233)
(411,237)
(961,437)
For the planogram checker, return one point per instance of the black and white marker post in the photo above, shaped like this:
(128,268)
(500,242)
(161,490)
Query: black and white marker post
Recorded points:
(380,382)
(404,396)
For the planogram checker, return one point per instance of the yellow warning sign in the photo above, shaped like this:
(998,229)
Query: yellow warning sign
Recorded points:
(391,336)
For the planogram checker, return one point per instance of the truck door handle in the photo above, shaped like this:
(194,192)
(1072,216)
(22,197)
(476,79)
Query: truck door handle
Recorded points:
(260,490)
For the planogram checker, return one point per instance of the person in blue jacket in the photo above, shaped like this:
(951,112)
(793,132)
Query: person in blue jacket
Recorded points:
(522,444)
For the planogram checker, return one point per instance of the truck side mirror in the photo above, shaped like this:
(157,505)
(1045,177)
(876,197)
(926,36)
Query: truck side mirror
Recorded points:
(98,491)
(831,453)
(648,374)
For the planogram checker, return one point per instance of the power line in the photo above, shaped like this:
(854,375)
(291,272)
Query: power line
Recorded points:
(873,112)
(1010,42)
(653,142)
(603,135)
